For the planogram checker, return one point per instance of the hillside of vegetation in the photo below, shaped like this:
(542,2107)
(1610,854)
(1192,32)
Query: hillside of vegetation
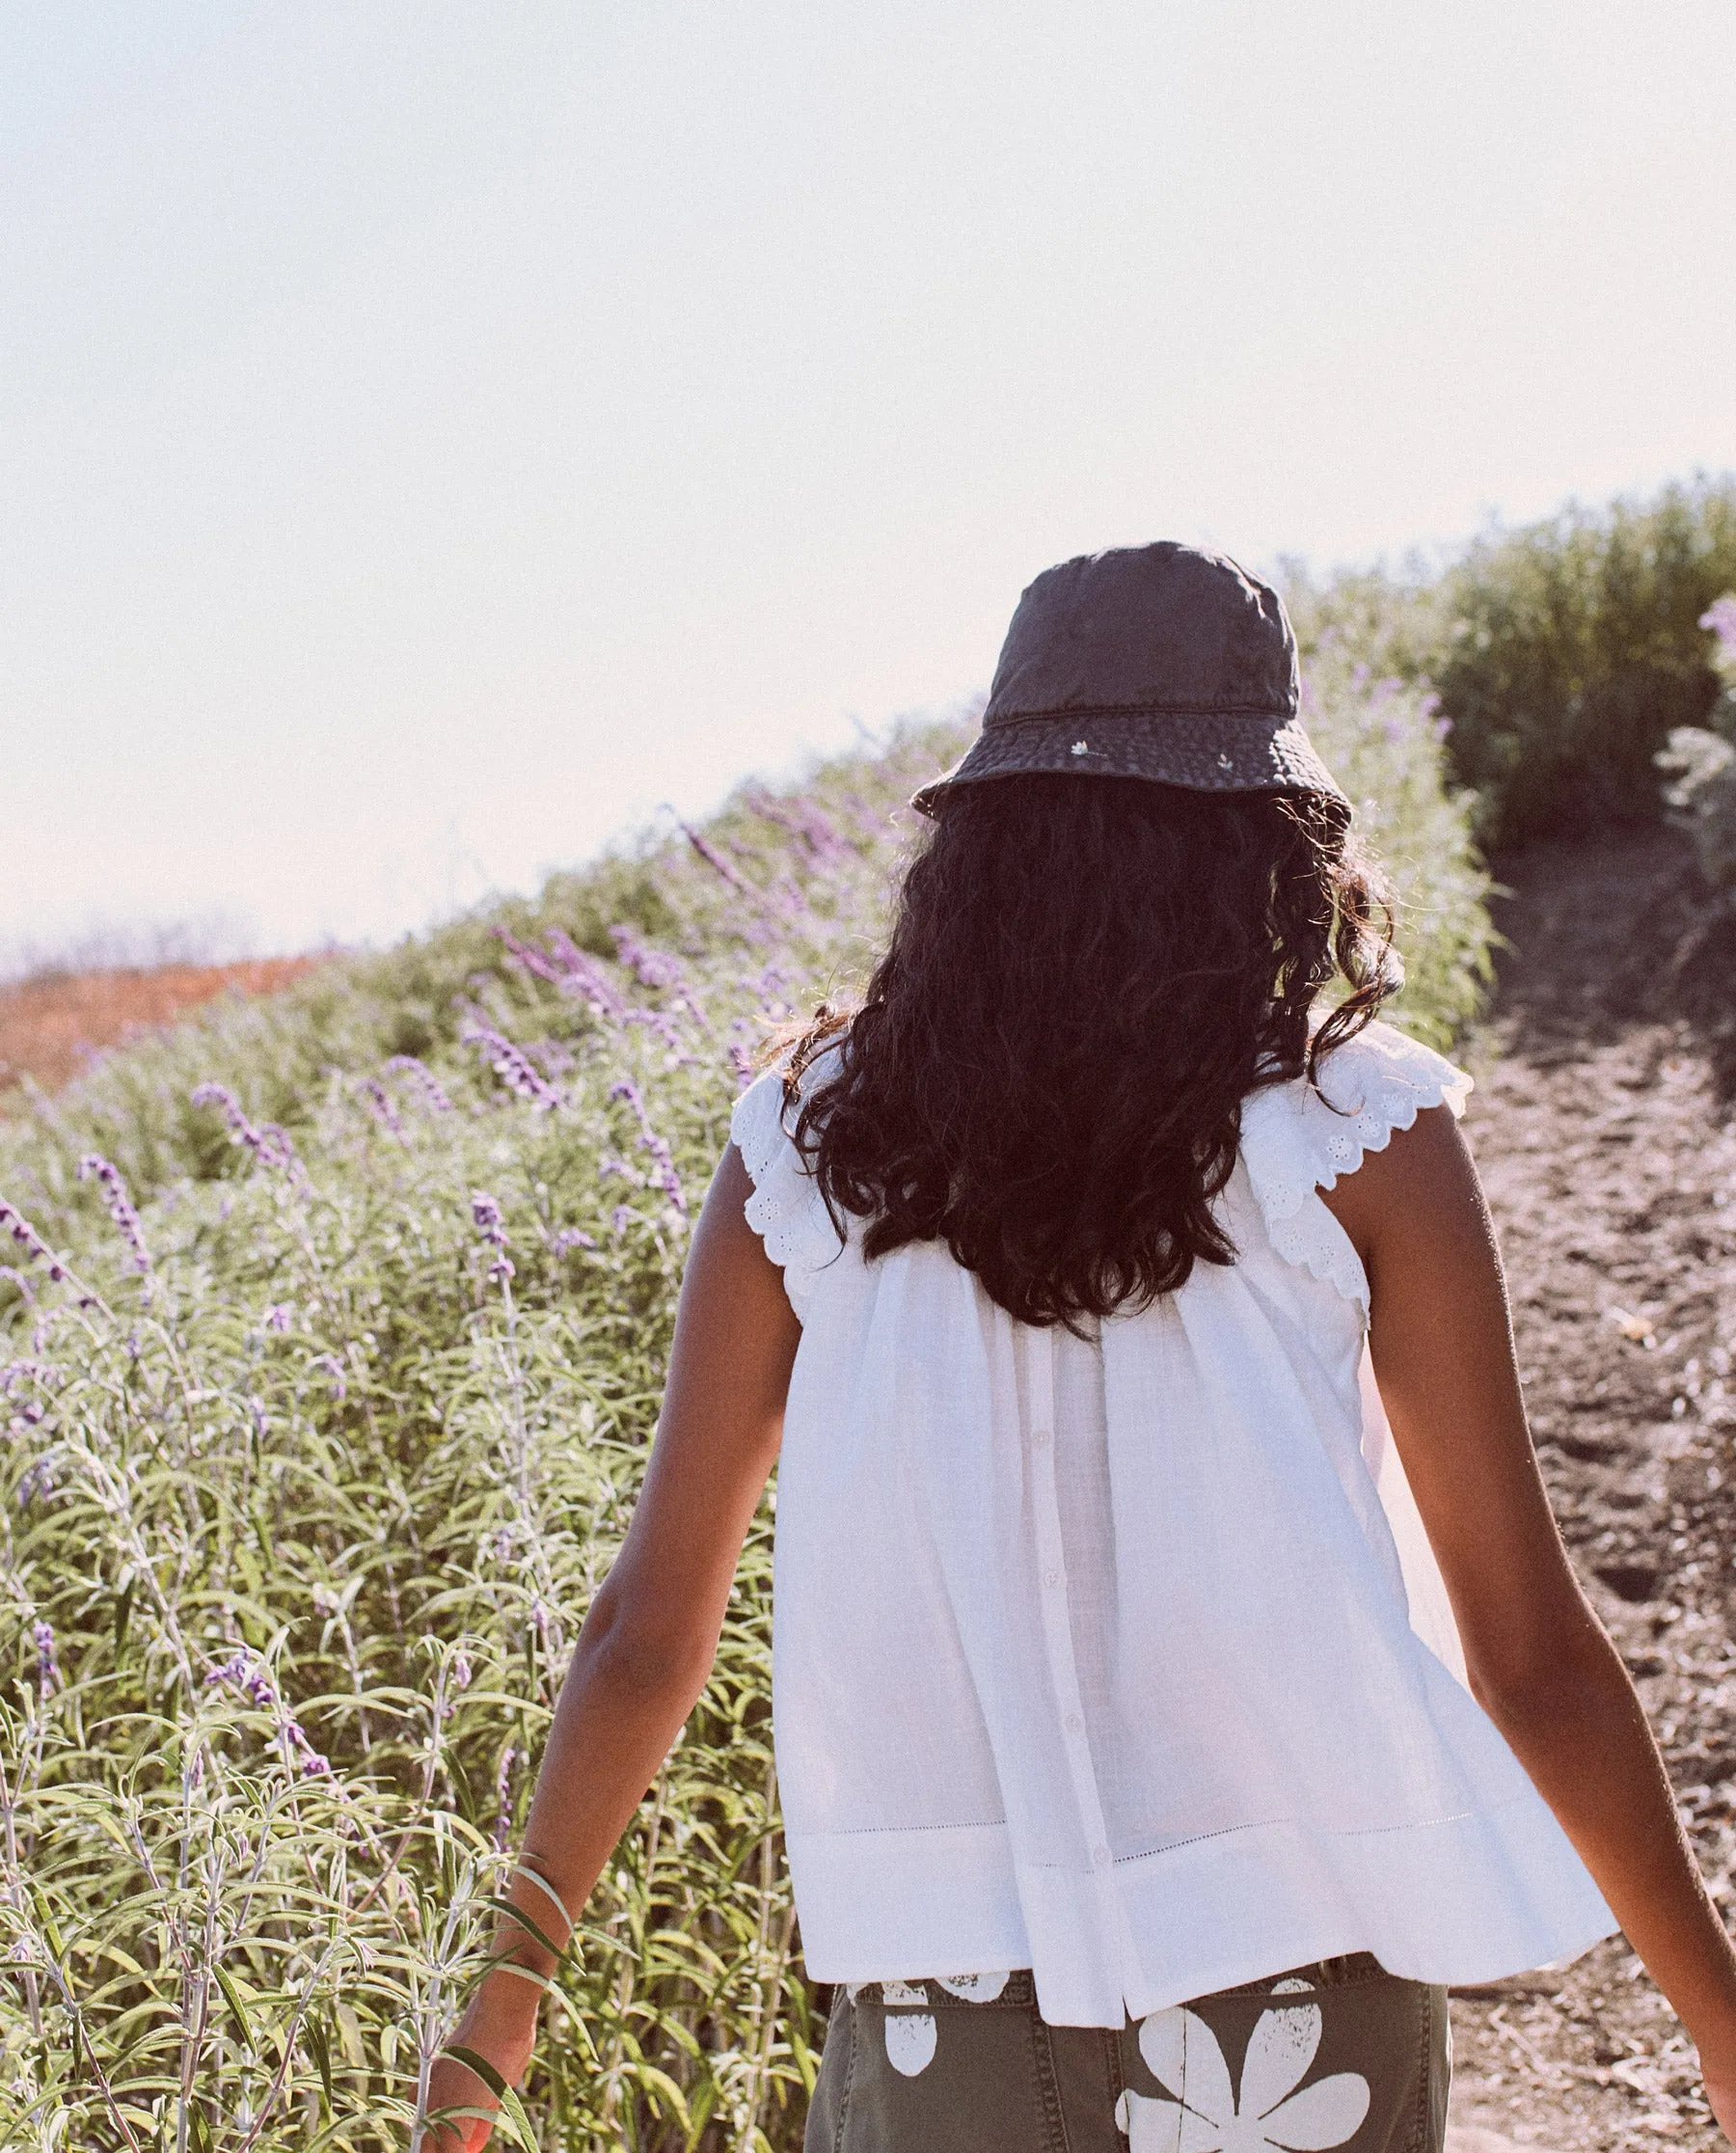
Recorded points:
(332,1329)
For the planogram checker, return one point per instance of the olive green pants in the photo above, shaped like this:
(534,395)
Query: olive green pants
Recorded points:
(1336,2055)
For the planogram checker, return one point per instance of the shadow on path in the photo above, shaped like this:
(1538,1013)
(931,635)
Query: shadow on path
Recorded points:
(1610,935)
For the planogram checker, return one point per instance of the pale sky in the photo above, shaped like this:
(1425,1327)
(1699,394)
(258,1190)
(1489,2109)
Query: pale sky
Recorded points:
(433,436)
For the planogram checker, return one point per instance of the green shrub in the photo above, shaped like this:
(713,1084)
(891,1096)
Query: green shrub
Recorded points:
(1563,654)
(313,1459)
(1573,648)
(1701,763)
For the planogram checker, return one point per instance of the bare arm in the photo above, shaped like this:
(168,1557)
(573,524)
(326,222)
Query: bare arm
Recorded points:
(1539,1661)
(647,1649)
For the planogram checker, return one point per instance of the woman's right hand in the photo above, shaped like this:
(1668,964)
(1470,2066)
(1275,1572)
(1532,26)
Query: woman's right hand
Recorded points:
(500,2024)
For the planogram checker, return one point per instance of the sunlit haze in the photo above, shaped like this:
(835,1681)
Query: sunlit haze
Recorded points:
(437,436)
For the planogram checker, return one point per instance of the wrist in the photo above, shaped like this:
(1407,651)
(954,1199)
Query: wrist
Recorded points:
(504,2002)
(535,1927)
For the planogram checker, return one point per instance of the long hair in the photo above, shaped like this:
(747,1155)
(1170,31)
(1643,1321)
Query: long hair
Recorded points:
(1085,979)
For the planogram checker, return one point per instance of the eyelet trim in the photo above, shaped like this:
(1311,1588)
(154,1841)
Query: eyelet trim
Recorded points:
(786,1209)
(1295,1143)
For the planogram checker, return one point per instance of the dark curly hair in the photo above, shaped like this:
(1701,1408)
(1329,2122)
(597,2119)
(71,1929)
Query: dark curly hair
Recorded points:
(1085,979)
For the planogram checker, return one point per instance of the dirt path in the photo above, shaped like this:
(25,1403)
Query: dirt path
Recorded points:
(1604,1135)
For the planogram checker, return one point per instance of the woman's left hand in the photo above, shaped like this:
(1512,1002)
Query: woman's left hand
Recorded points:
(501,2026)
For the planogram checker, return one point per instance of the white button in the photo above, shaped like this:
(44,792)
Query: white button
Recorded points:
(1100,1856)
(1038,1437)
(1051,1577)
(1074,1724)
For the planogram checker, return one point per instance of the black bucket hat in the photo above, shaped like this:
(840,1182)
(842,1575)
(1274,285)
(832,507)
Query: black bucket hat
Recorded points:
(1159,662)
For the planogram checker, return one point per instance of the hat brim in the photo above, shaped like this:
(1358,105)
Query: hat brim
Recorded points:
(1198,751)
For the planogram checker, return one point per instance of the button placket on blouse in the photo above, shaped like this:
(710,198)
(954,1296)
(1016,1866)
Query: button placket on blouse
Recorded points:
(1057,1626)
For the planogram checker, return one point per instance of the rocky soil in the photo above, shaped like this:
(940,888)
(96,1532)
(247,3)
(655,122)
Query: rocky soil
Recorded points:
(1603,1126)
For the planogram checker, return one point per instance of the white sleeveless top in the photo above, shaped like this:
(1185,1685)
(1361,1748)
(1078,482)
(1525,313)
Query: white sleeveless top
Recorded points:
(1106,1658)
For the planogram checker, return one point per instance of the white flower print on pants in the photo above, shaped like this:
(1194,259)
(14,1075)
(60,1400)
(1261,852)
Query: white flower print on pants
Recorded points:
(911,2035)
(1269,2115)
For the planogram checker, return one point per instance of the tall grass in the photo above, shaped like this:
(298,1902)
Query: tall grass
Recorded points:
(330,1342)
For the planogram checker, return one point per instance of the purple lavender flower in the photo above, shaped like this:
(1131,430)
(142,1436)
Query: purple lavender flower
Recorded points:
(550,1056)
(532,960)
(313,1765)
(36,1482)
(242,1672)
(426,1082)
(268,1143)
(277,1316)
(657,969)
(720,863)
(742,1062)
(486,1212)
(119,1206)
(769,989)
(47,1668)
(621,1218)
(335,1375)
(789,902)
(250,1676)
(30,1241)
(870,816)
(570,1238)
(574,970)
(379,1100)
(503,1831)
(662,1027)
(510,1065)
(665,1176)
(803,818)
(582,975)
(651,967)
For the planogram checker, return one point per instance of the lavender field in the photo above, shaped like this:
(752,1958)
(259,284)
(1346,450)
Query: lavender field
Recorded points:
(330,1338)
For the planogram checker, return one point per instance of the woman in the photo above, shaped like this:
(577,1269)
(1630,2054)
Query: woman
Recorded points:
(1125,1801)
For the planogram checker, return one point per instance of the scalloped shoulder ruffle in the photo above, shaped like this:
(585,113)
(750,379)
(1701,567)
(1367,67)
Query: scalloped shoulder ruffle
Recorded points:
(1294,1143)
(786,1209)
